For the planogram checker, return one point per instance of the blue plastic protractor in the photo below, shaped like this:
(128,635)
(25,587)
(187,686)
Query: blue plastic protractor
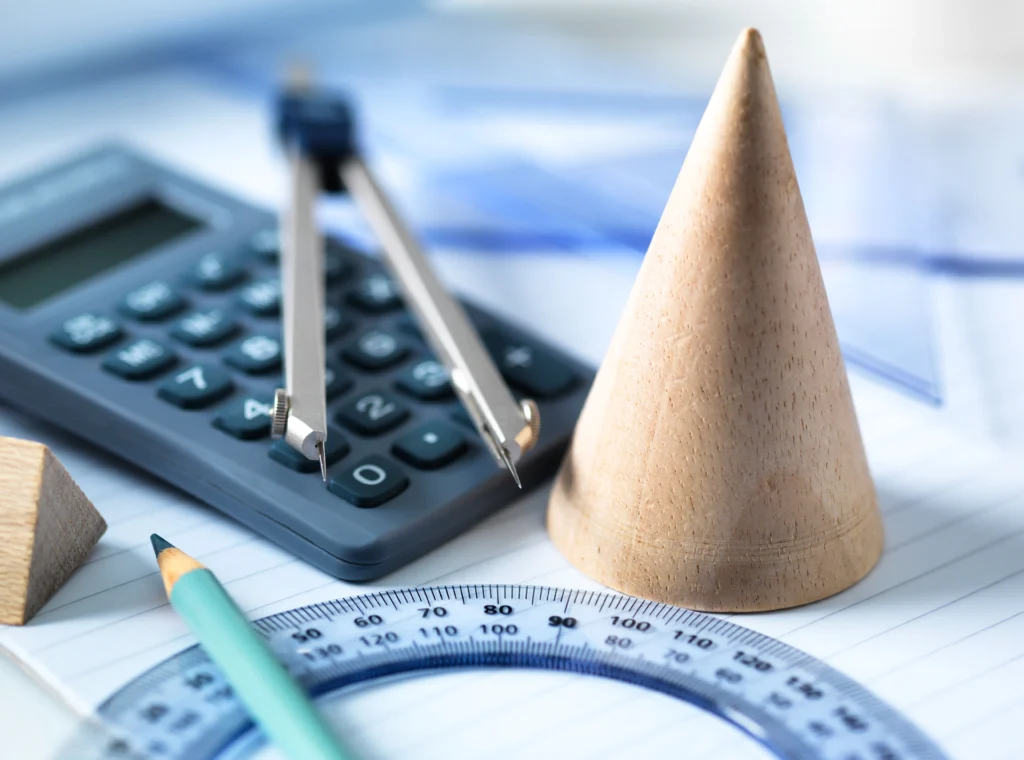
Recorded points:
(792,704)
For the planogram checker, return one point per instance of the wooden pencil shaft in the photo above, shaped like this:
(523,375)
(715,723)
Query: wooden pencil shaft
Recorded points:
(174,563)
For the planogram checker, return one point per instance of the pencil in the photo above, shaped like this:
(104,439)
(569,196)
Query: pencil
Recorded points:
(274,700)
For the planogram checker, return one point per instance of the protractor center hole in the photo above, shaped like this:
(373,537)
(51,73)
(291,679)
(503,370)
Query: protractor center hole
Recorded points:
(523,714)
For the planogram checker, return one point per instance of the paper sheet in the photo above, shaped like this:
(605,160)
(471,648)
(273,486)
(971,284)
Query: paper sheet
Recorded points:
(937,629)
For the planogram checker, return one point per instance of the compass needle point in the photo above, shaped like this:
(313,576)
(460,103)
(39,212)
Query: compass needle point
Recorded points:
(503,453)
(322,455)
(515,475)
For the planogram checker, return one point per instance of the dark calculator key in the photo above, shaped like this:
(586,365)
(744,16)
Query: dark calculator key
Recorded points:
(336,322)
(262,298)
(198,386)
(152,302)
(265,245)
(256,354)
(427,380)
(461,416)
(336,268)
(139,360)
(372,413)
(377,293)
(430,445)
(375,350)
(407,324)
(346,251)
(335,448)
(247,419)
(205,328)
(336,382)
(215,271)
(370,482)
(86,333)
(530,368)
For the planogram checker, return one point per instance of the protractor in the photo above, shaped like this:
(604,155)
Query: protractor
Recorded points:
(784,702)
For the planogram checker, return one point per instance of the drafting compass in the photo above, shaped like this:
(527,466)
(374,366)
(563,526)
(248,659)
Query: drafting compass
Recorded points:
(316,130)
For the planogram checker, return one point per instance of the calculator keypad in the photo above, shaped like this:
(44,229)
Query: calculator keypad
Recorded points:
(247,418)
(264,245)
(529,368)
(373,413)
(139,360)
(335,449)
(233,295)
(196,387)
(336,267)
(427,380)
(262,298)
(369,482)
(205,328)
(336,322)
(152,302)
(215,271)
(375,350)
(255,355)
(336,382)
(431,445)
(86,333)
(376,294)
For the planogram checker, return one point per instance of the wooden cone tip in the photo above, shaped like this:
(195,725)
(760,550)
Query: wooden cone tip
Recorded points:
(750,44)
(747,67)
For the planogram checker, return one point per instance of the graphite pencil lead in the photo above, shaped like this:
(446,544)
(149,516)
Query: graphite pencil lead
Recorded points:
(172,561)
(159,544)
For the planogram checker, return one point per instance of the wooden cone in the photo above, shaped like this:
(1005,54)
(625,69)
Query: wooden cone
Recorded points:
(47,527)
(717,463)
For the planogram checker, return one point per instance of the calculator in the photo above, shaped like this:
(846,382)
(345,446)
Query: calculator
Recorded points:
(140,310)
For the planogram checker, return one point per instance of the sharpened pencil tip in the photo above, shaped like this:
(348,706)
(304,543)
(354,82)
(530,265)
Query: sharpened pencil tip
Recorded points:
(173,562)
(159,544)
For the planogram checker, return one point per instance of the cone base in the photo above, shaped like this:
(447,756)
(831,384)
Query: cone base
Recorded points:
(721,579)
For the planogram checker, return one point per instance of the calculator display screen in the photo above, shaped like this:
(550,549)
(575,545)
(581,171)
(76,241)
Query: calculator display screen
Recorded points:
(43,272)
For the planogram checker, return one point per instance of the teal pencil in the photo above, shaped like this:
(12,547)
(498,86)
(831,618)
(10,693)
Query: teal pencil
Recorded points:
(275,702)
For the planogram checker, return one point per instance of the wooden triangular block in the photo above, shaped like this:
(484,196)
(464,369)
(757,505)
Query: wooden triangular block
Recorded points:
(717,463)
(47,527)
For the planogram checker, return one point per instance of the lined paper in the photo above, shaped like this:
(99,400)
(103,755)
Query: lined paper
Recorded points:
(937,630)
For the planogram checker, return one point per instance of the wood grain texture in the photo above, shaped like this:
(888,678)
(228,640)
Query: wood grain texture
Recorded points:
(717,463)
(47,527)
